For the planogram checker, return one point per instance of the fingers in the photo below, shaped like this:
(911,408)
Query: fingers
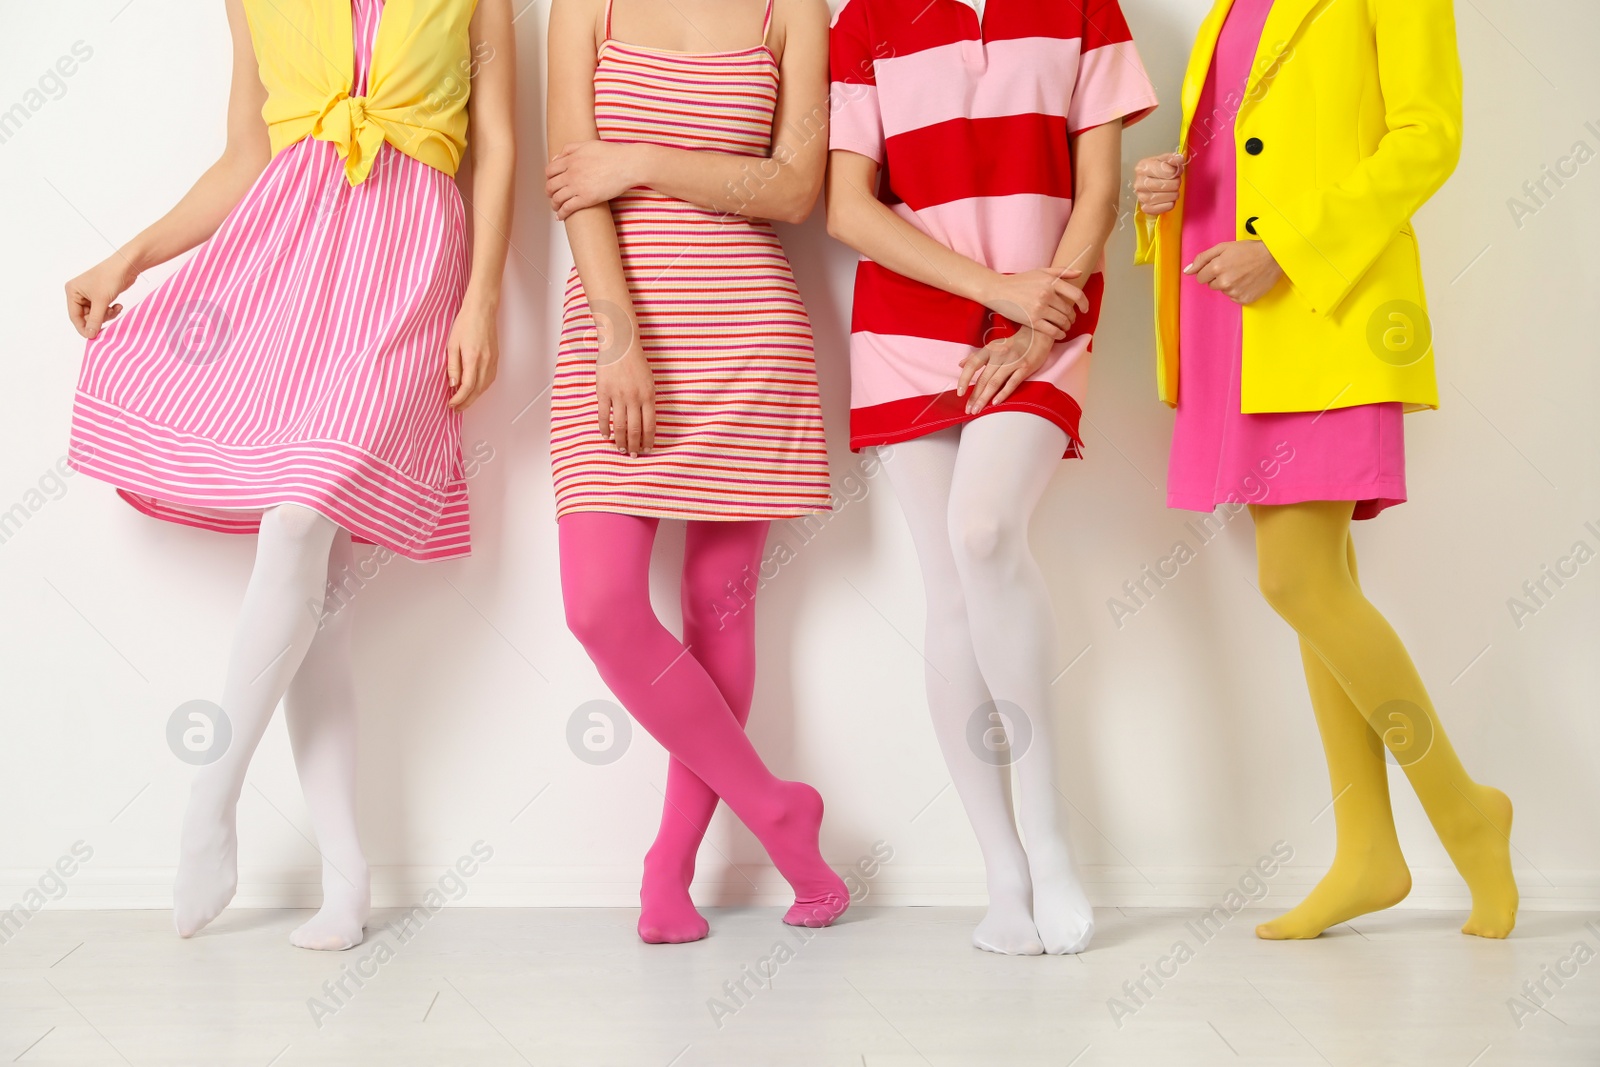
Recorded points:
(572,202)
(1157,188)
(1056,319)
(1204,259)
(477,374)
(558,192)
(635,428)
(1014,379)
(468,369)
(619,425)
(1157,181)
(1073,295)
(1157,202)
(1052,321)
(78,312)
(1215,269)
(979,384)
(1160,168)
(992,366)
(565,198)
(452,365)
(985,393)
(630,423)
(970,368)
(95,318)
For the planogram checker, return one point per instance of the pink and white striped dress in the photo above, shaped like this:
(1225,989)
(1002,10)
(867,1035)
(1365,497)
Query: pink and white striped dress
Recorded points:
(738,420)
(297,358)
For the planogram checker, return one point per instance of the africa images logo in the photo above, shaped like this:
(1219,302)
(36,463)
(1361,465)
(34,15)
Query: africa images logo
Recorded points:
(200,332)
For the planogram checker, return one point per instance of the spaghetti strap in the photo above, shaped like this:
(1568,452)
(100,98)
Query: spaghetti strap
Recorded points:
(766,21)
(608,22)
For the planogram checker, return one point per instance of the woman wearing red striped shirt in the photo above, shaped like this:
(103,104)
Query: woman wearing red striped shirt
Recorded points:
(303,374)
(976,168)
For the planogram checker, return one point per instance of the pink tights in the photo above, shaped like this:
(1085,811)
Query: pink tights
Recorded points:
(693,696)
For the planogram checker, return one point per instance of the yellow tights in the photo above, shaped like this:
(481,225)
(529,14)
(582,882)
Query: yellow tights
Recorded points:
(1366,694)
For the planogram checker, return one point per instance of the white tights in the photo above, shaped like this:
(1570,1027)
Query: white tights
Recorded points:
(285,648)
(968,493)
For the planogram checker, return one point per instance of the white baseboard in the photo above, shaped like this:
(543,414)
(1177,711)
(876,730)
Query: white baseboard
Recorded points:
(895,885)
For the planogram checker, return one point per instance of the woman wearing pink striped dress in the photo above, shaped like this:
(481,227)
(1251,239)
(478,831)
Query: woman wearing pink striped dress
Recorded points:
(303,374)
(685,388)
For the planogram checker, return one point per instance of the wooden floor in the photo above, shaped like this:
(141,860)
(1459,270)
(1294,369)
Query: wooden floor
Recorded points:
(889,987)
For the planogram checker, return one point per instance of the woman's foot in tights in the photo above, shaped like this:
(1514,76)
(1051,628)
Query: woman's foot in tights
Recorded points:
(792,835)
(667,915)
(341,922)
(1061,909)
(1359,882)
(1007,927)
(1481,851)
(208,863)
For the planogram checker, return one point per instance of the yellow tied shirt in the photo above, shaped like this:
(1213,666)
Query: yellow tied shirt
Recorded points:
(417,85)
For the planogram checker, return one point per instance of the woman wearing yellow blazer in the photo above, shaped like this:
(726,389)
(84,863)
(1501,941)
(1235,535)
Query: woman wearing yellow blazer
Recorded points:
(1292,335)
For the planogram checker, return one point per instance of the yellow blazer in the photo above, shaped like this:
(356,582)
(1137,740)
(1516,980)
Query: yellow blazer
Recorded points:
(1350,121)
(417,85)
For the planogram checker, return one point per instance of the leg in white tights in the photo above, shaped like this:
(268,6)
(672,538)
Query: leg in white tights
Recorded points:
(321,710)
(968,494)
(277,625)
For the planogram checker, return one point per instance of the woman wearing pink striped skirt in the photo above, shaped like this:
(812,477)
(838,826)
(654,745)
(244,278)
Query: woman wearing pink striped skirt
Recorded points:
(303,374)
(686,389)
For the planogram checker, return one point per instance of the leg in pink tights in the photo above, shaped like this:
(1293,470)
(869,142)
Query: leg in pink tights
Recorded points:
(605,585)
(721,569)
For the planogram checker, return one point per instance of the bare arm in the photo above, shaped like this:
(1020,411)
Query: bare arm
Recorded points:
(197,216)
(996,371)
(473,348)
(858,218)
(623,383)
(784,184)
(1043,298)
(1096,197)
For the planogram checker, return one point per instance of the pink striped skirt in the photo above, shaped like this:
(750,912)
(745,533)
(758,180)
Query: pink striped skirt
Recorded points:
(297,358)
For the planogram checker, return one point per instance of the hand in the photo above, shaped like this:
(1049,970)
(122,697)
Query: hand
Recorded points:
(1044,300)
(1156,182)
(1244,270)
(995,370)
(90,294)
(472,353)
(626,391)
(587,173)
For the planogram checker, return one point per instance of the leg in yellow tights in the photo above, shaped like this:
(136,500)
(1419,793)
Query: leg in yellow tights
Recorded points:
(1366,694)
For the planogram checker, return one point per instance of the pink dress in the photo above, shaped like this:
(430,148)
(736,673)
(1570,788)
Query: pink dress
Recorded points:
(297,358)
(1219,454)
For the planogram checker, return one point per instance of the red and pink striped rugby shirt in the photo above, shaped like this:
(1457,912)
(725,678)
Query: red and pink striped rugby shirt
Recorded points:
(969,119)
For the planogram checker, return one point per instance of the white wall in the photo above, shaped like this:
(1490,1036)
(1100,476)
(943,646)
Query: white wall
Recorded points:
(1187,739)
